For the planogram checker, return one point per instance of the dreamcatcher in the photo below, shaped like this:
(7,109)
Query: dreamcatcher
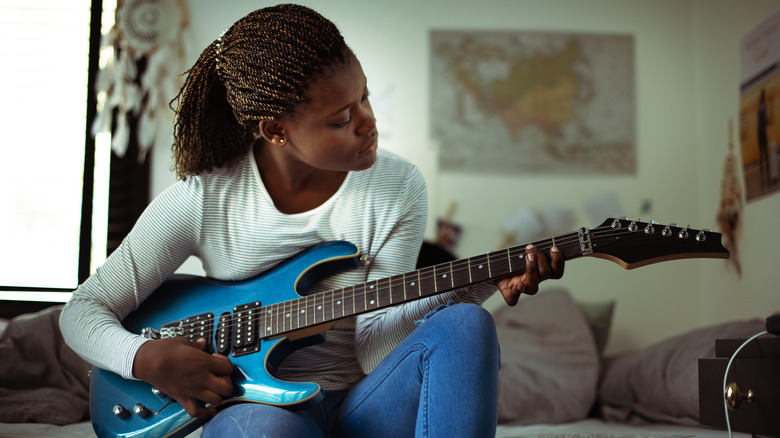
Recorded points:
(729,215)
(143,75)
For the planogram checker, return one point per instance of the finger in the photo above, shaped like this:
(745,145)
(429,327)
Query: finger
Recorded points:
(510,289)
(221,385)
(543,266)
(195,410)
(221,365)
(557,263)
(210,397)
(531,277)
(200,344)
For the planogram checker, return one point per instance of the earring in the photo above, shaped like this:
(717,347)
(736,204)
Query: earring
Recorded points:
(281,141)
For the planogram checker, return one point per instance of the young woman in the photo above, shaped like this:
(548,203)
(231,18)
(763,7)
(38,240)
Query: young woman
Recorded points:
(276,148)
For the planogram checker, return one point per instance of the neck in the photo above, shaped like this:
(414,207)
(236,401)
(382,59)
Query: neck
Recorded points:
(295,187)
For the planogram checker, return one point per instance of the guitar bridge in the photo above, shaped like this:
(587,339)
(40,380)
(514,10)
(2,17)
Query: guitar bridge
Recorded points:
(585,245)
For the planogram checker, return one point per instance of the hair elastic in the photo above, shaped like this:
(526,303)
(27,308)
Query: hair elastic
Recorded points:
(219,50)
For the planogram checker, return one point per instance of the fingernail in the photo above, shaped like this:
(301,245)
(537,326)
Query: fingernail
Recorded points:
(530,256)
(554,249)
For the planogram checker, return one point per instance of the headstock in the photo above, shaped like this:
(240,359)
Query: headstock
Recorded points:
(632,244)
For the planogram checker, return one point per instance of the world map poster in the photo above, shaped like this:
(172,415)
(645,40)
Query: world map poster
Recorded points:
(541,102)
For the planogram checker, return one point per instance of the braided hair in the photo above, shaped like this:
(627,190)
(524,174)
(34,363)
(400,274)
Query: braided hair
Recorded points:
(257,70)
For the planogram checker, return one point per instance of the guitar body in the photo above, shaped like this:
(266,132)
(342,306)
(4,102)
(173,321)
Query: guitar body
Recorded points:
(184,297)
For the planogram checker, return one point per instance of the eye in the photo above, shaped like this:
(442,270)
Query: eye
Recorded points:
(344,123)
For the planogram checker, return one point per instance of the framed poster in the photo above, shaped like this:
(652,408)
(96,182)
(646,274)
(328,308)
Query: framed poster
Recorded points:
(758,109)
(533,102)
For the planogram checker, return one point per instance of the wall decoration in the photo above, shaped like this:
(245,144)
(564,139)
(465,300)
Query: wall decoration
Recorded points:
(759,104)
(533,102)
(142,74)
(729,215)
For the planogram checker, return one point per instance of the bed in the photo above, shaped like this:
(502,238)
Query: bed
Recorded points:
(554,380)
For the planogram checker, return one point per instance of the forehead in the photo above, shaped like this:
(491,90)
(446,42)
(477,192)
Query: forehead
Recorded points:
(337,87)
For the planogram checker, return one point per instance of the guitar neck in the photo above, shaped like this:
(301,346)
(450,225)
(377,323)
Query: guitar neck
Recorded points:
(630,244)
(325,307)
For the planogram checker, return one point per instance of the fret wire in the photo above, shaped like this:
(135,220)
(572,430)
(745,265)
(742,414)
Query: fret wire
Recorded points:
(570,241)
(354,307)
(390,289)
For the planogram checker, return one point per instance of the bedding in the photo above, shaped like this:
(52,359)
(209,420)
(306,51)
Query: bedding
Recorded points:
(588,428)
(41,379)
(549,360)
(660,383)
(552,377)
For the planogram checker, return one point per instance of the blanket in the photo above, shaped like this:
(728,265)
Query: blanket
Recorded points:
(41,379)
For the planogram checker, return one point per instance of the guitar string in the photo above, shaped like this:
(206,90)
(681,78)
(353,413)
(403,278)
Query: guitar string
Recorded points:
(277,308)
(329,298)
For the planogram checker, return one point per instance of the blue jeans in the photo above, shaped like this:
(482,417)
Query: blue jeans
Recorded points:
(441,381)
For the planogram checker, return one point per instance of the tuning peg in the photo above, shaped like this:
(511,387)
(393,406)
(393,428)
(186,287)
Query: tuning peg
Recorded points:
(632,226)
(649,229)
(616,224)
(683,234)
(700,236)
(667,231)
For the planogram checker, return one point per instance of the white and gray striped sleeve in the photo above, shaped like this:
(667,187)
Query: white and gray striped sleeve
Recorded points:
(163,237)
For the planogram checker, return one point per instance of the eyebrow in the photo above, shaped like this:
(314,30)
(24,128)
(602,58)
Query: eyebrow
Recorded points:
(365,89)
(341,109)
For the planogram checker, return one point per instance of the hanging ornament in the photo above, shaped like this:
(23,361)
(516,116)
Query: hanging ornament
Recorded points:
(147,45)
(729,215)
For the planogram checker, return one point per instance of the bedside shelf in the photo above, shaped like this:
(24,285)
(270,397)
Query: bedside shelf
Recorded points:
(755,369)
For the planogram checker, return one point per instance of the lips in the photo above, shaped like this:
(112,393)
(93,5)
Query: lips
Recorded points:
(371,145)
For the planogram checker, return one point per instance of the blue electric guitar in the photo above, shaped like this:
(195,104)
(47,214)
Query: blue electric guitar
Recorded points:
(257,321)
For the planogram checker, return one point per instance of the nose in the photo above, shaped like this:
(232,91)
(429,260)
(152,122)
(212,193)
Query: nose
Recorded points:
(367,121)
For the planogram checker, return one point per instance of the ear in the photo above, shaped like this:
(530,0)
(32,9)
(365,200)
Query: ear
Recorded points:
(273,132)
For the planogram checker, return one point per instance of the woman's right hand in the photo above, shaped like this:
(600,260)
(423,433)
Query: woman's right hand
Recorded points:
(181,369)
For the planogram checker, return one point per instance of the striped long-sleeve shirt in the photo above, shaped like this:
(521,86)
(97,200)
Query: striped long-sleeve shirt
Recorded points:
(227,219)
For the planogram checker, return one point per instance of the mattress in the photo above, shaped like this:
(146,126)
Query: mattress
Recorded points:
(590,428)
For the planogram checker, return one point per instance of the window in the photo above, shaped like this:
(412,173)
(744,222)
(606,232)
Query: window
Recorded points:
(49,200)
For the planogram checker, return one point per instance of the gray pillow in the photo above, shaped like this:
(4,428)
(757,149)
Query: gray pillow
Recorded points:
(549,361)
(660,383)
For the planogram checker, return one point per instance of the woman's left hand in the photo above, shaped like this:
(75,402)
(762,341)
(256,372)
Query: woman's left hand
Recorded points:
(537,269)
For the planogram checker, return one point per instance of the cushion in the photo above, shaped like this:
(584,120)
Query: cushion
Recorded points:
(599,317)
(549,361)
(41,379)
(660,383)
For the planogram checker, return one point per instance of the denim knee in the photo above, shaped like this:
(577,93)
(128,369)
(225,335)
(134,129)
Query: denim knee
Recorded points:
(471,324)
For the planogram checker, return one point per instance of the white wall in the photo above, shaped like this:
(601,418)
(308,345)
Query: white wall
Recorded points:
(718,28)
(687,76)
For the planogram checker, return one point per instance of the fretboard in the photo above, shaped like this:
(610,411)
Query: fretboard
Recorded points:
(328,306)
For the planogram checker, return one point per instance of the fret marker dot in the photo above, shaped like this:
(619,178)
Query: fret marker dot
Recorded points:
(480,266)
(268,329)
(338,302)
(303,311)
(444,276)
(371,287)
(319,307)
(287,315)
(412,283)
